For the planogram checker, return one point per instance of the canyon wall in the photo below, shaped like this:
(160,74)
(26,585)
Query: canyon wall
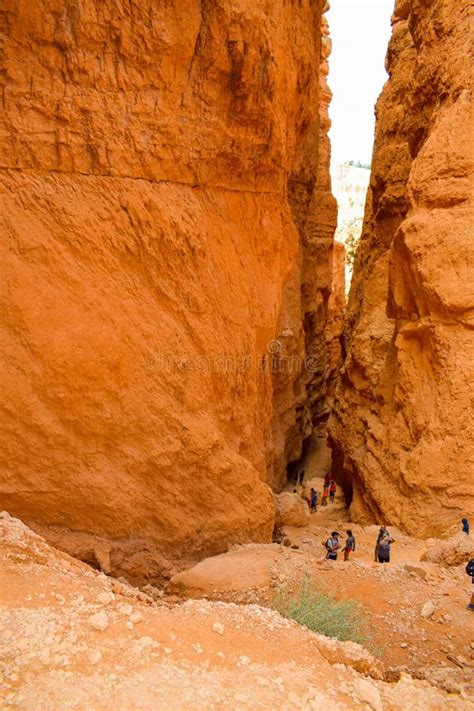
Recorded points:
(166,233)
(402,427)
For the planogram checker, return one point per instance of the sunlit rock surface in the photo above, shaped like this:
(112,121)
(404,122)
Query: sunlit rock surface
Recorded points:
(166,224)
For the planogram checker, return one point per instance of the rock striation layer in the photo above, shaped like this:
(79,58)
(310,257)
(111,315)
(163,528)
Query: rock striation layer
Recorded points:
(166,223)
(402,427)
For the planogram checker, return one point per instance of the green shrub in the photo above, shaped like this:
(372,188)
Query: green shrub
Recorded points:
(319,612)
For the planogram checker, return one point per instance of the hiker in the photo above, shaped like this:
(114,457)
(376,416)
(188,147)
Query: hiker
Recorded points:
(465,526)
(384,542)
(295,492)
(350,544)
(332,545)
(470,572)
(324,500)
(332,491)
(379,538)
(313,500)
(301,477)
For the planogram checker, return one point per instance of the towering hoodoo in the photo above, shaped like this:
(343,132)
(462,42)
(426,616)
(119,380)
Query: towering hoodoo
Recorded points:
(166,223)
(402,428)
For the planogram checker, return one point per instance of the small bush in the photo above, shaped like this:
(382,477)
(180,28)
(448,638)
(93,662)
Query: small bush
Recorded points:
(319,612)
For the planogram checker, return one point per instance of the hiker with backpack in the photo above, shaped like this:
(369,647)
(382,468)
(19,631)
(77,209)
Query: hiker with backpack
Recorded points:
(332,545)
(470,572)
(382,548)
(350,544)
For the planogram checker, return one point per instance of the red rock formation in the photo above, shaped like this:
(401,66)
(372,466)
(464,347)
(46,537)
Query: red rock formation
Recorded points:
(335,321)
(402,426)
(165,214)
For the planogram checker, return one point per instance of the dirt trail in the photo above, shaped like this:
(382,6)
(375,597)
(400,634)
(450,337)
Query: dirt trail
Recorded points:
(71,638)
(439,648)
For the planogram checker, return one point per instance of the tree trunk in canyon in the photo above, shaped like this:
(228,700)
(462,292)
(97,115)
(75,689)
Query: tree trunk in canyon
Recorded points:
(402,427)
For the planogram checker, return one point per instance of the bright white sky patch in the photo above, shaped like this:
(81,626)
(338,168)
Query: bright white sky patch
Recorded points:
(360,31)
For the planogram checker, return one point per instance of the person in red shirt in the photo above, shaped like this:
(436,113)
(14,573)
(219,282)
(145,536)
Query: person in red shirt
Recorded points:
(324,499)
(332,491)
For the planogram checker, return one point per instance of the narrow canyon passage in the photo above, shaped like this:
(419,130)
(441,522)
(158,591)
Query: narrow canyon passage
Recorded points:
(168,253)
(179,341)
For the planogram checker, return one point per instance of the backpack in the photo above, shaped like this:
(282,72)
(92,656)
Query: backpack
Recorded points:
(470,568)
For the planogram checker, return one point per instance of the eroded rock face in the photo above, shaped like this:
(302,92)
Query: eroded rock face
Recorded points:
(165,215)
(402,427)
(457,550)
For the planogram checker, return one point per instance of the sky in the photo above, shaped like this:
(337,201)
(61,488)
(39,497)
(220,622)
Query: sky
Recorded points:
(360,31)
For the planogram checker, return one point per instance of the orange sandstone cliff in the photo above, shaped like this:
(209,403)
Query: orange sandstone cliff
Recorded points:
(402,428)
(166,232)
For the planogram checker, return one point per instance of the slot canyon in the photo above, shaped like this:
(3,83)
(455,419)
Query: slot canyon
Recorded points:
(176,341)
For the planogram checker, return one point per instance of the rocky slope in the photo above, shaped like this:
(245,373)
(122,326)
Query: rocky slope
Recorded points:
(73,638)
(402,430)
(412,612)
(166,244)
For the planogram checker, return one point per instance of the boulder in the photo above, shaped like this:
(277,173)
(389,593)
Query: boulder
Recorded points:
(454,551)
(291,510)
(99,621)
(416,571)
(427,610)
(245,567)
